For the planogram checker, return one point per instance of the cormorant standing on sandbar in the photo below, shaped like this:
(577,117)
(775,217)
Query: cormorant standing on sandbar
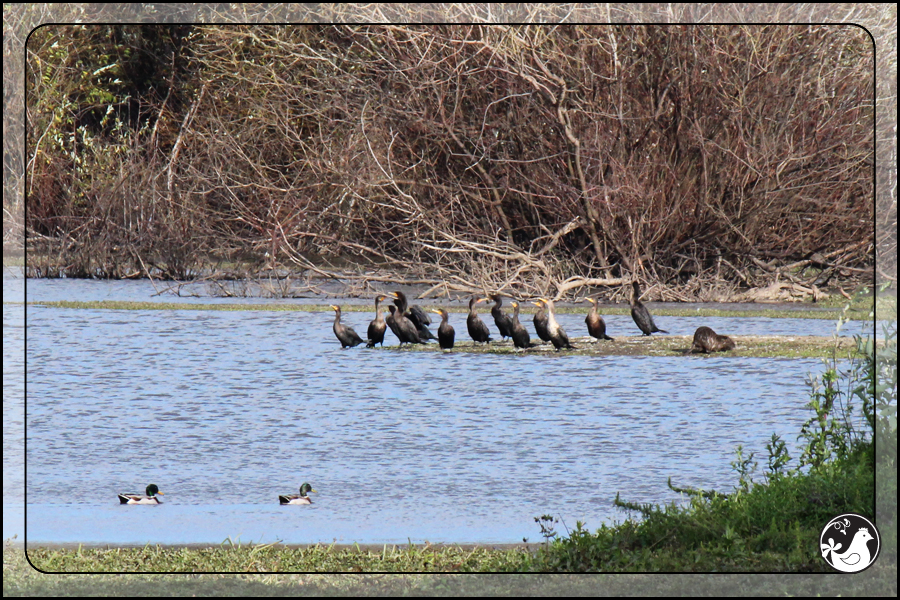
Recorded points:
(558,336)
(520,335)
(501,319)
(595,323)
(477,329)
(346,335)
(640,314)
(540,322)
(377,327)
(446,333)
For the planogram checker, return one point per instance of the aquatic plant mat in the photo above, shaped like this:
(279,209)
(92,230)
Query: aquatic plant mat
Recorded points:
(764,346)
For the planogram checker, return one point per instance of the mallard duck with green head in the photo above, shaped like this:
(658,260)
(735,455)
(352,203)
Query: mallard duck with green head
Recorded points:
(300,498)
(149,498)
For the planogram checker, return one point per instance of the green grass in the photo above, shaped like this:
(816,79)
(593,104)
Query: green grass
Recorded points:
(20,579)
(276,558)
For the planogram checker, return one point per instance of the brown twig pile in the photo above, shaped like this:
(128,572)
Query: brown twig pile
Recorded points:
(526,159)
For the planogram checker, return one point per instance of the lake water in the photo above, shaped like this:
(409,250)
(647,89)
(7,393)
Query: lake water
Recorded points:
(226,410)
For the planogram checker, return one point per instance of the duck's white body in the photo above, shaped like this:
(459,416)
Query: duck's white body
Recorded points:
(295,500)
(300,498)
(138,499)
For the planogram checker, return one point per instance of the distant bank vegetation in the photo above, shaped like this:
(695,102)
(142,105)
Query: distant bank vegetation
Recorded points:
(533,160)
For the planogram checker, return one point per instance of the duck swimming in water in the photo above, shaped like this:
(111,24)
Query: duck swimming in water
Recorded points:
(300,498)
(149,498)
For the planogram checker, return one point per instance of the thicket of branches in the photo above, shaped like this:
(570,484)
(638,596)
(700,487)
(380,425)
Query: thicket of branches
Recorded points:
(531,159)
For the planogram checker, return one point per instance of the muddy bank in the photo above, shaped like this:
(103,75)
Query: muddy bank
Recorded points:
(764,346)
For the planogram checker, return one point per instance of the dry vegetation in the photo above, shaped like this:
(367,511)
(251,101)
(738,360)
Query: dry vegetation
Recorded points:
(714,160)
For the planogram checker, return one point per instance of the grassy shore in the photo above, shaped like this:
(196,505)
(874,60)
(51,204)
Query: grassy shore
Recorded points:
(264,571)
(20,579)
(321,571)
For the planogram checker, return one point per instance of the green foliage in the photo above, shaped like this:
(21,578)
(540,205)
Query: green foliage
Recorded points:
(744,467)
(778,457)
(547,524)
(831,432)
(772,525)
(826,436)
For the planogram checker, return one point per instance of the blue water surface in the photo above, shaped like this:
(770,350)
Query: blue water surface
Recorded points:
(226,410)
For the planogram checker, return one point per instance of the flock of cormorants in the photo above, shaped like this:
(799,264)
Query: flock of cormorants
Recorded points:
(410,325)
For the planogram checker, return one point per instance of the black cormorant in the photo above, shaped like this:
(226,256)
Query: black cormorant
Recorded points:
(595,324)
(405,331)
(377,327)
(519,334)
(501,319)
(347,336)
(640,314)
(416,316)
(446,334)
(392,322)
(477,329)
(558,336)
(540,322)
